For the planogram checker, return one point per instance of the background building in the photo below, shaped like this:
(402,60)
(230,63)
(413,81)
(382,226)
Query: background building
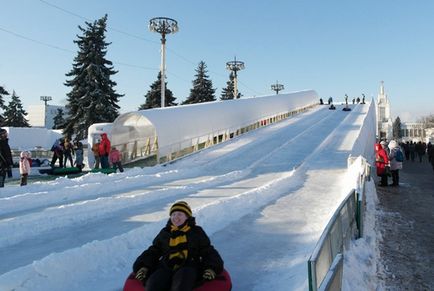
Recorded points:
(384,120)
(43,115)
(413,131)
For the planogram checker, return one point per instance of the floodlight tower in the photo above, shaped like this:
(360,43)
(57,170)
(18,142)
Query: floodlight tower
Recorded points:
(163,26)
(46,99)
(277,87)
(235,66)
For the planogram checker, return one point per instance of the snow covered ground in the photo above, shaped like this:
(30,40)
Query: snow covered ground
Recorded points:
(264,199)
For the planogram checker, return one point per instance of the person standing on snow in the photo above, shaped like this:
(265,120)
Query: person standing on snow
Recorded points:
(5,157)
(381,162)
(79,155)
(180,255)
(68,151)
(25,166)
(104,151)
(395,165)
(57,150)
(116,159)
(95,151)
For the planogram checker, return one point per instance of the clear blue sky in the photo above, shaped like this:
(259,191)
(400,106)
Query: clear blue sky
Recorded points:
(334,47)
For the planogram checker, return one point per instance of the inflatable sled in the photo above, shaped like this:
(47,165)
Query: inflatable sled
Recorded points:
(104,171)
(60,171)
(221,283)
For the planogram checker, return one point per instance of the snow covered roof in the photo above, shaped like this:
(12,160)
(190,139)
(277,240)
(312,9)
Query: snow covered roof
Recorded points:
(175,125)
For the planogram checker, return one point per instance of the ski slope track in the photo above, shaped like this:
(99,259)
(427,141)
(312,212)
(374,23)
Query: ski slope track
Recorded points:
(93,227)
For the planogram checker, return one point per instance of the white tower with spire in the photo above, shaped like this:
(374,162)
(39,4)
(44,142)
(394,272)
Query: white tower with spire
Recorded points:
(384,120)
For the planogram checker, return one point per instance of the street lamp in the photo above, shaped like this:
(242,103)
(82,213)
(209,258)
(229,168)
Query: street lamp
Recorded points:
(46,99)
(277,87)
(235,66)
(163,26)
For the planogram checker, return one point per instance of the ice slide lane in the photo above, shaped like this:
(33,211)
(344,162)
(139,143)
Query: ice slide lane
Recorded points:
(84,231)
(124,248)
(88,210)
(13,202)
(276,240)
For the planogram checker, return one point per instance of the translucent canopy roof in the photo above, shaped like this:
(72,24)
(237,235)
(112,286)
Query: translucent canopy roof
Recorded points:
(173,125)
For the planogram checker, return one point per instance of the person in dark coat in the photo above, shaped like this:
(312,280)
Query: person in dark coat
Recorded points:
(68,152)
(431,154)
(381,162)
(5,157)
(180,256)
(57,150)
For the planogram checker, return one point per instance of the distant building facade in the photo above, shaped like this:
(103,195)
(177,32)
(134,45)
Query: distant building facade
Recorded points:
(413,131)
(410,131)
(43,115)
(384,119)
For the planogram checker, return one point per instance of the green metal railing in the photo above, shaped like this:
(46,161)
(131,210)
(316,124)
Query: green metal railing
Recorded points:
(325,265)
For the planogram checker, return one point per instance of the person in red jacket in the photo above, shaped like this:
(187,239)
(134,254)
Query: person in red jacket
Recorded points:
(381,162)
(104,151)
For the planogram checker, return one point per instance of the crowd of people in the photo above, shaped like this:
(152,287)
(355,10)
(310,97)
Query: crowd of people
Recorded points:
(389,158)
(64,150)
(106,156)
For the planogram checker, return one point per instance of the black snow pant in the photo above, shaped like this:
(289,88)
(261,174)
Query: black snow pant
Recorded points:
(395,177)
(2,178)
(54,159)
(383,181)
(165,279)
(118,165)
(24,179)
(68,157)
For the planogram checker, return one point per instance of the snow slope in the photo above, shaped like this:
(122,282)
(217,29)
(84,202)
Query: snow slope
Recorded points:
(264,199)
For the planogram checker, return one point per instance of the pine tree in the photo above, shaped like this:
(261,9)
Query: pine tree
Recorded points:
(396,129)
(228,92)
(14,114)
(2,103)
(92,98)
(202,90)
(153,97)
(59,121)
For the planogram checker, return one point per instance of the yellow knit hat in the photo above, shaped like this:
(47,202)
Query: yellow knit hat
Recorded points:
(181,206)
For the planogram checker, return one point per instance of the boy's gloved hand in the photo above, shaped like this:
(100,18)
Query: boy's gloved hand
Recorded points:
(141,273)
(209,274)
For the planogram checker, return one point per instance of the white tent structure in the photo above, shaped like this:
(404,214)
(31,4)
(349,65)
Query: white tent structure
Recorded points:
(171,132)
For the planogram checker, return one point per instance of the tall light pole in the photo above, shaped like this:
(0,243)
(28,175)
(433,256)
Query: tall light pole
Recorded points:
(277,87)
(163,26)
(235,66)
(45,99)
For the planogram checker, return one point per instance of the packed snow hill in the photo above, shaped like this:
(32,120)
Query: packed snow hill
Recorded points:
(263,198)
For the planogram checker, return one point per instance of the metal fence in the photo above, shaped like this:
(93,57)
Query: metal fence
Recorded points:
(325,265)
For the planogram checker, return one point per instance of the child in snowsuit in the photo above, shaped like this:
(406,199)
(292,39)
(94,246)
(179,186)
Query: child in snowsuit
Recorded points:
(180,255)
(25,166)
(115,159)
(79,156)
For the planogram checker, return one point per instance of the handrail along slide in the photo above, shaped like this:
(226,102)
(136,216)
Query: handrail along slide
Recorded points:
(325,265)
